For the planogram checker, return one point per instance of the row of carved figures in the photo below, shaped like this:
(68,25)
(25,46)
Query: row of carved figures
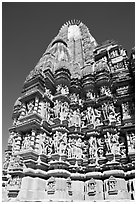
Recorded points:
(80,117)
(75,146)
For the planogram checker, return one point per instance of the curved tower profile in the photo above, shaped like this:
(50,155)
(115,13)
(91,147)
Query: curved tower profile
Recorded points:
(73,132)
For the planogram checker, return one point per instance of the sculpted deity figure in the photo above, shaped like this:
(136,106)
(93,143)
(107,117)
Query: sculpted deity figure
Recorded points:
(64,90)
(76,120)
(64,111)
(98,121)
(115,147)
(48,93)
(41,143)
(105,91)
(90,95)
(56,138)
(91,116)
(105,111)
(69,148)
(10,140)
(26,142)
(6,161)
(58,88)
(57,108)
(107,137)
(131,137)
(84,118)
(63,143)
(111,113)
(74,97)
(30,106)
(92,147)
(78,144)
(125,108)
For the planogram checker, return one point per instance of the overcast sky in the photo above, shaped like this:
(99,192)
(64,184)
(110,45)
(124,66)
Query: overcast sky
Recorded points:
(28,28)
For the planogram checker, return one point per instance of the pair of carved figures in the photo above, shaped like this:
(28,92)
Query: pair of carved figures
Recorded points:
(91,116)
(112,143)
(108,111)
(74,148)
(60,142)
(74,118)
(61,110)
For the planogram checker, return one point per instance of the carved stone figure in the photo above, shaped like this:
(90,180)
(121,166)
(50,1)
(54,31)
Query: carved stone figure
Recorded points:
(125,108)
(92,147)
(90,95)
(26,142)
(30,106)
(57,108)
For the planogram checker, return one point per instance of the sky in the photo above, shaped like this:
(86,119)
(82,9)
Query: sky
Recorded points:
(28,28)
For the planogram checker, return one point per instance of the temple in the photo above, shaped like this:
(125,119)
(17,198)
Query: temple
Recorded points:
(73,132)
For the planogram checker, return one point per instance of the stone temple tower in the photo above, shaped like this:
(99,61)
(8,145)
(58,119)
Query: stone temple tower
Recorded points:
(73,132)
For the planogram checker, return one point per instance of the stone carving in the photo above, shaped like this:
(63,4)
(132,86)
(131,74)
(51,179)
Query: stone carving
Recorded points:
(30,106)
(114,53)
(51,185)
(131,139)
(74,148)
(112,143)
(6,161)
(74,98)
(105,91)
(69,186)
(26,144)
(90,95)
(91,187)
(48,93)
(98,118)
(15,181)
(61,110)
(92,147)
(109,112)
(91,116)
(60,89)
(16,162)
(60,142)
(83,118)
(47,112)
(112,185)
(75,118)
(125,108)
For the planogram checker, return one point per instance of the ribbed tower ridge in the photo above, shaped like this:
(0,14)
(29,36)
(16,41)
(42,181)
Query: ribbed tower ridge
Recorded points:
(73,132)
